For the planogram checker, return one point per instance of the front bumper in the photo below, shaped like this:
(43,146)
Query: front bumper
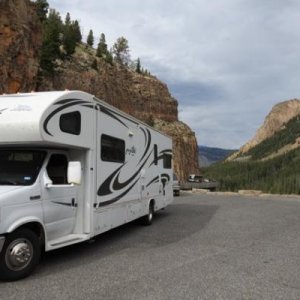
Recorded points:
(2,240)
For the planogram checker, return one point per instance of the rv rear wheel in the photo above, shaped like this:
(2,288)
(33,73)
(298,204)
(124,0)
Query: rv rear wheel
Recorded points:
(20,255)
(147,219)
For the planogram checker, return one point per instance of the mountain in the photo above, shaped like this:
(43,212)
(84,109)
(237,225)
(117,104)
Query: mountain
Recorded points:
(274,122)
(269,162)
(210,155)
(144,97)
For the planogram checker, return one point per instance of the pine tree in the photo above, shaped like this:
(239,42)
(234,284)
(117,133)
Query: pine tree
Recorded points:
(69,38)
(77,32)
(138,66)
(102,47)
(121,51)
(42,7)
(109,58)
(90,38)
(52,31)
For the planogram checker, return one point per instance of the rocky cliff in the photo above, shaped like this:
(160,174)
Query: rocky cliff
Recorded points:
(144,97)
(274,121)
(20,42)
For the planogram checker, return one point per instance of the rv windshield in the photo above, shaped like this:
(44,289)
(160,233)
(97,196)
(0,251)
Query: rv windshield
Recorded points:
(20,167)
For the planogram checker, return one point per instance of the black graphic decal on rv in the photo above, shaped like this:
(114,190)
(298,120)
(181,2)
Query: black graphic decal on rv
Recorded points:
(112,115)
(165,178)
(118,197)
(112,184)
(67,103)
(161,156)
(2,110)
(148,140)
(154,180)
(104,189)
(113,180)
(65,204)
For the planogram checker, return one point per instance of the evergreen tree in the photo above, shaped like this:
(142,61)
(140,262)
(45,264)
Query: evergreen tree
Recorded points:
(102,47)
(90,38)
(52,30)
(109,58)
(121,51)
(69,38)
(68,19)
(77,32)
(42,9)
(102,50)
(138,66)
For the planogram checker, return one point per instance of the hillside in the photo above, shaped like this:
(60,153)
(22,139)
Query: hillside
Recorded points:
(210,155)
(271,165)
(145,97)
(280,114)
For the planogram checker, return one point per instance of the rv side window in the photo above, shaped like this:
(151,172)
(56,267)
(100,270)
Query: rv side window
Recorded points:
(112,149)
(57,169)
(167,161)
(70,122)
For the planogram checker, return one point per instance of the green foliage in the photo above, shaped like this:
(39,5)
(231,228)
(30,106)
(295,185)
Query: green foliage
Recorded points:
(102,46)
(69,36)
(102,50)
(138,66)
(90,38)
(285,136)
(42,7)
(121,51)
(59,40)
(278,175)
(52,30)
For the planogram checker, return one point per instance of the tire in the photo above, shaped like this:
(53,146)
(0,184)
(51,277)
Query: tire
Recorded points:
(20,255)
(147,219)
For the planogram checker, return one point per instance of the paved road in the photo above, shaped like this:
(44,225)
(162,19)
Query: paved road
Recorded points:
(201,247)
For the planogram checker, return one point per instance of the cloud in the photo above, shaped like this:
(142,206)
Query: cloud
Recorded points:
(227,62)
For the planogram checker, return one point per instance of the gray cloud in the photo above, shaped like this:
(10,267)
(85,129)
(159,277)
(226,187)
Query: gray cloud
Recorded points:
(226,61)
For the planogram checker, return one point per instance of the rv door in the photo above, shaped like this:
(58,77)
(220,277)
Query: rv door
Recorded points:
(59,198)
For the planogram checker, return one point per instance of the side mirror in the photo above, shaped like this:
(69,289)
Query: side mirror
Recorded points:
(74,172)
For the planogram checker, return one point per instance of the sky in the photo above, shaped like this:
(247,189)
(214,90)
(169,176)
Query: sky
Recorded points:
(227,62)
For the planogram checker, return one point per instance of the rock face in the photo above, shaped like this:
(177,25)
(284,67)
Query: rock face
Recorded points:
(144,97)
(274,121)
(20,41)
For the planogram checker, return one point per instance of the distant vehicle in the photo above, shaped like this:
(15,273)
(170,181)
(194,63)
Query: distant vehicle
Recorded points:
(176,186)
(72,167)
(195,178)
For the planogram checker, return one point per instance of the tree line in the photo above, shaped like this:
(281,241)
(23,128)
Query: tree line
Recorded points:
(60,39)
(280,175)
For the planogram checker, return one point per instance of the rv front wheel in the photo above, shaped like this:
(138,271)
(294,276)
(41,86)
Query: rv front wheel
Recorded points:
(20,255)
(147,219)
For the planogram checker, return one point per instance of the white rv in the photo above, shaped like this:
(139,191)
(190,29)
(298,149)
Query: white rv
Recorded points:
(72,167)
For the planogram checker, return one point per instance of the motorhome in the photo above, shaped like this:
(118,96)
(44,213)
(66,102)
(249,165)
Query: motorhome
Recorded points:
(72,167)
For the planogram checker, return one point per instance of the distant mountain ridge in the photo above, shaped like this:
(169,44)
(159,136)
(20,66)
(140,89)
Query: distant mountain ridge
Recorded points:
(275,121)
(269,162)
(210,155)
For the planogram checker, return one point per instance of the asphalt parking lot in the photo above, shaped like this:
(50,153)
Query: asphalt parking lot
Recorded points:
(200,247)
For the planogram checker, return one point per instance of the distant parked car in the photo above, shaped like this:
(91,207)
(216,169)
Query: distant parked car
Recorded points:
(195,178)
(176,186)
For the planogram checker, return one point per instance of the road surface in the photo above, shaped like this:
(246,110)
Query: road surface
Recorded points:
(200,247)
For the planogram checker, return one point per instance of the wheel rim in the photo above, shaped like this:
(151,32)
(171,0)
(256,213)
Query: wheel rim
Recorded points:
(19,254)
